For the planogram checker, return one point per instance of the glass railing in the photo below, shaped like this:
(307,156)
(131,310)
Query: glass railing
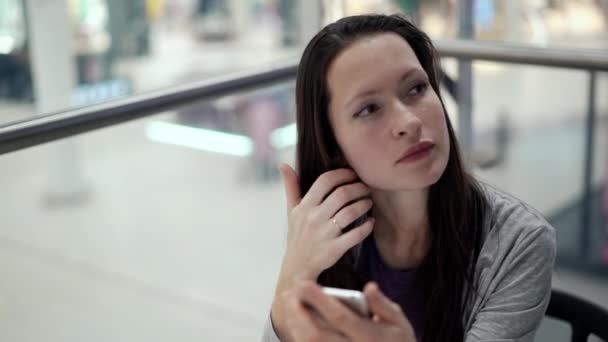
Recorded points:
(169,227)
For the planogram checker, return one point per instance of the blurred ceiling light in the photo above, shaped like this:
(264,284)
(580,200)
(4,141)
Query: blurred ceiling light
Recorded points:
(199,138)
(585,20)
(215,141)
(435,25)
(7,44)
(488,67)
(575,18)
(284,136)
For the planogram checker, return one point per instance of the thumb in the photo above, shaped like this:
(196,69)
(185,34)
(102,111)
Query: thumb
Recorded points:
(291,182)
(383,309)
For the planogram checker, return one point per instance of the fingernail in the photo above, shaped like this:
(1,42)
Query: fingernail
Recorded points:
(281,168)
(370,285)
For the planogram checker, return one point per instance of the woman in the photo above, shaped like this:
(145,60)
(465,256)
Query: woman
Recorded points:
(382,203)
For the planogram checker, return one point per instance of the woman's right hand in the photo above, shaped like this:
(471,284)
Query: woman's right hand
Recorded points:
(315,240)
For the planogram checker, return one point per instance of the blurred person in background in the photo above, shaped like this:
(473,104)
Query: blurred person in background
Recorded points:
(214,20)
(155,9)
(533,10)
(333,10)
(178,14)
(411,8)
(604,7)
(91,38)
(383,203)
(15,78)
(289,29)
(262,114)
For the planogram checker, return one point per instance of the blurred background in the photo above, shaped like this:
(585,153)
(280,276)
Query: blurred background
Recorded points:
(172,227)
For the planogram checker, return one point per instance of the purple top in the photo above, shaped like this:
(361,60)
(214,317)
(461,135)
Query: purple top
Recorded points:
(399,286)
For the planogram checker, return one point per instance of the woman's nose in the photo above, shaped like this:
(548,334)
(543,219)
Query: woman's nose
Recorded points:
(406,124)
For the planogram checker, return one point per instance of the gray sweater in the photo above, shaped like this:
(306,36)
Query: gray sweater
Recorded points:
(513,274)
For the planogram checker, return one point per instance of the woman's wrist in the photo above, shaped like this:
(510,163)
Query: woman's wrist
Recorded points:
(276,319)
(287,281)
(287,277)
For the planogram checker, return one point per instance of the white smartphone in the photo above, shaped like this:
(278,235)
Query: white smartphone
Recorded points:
(352,298)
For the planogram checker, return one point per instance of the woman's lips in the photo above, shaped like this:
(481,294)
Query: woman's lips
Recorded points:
(417,152)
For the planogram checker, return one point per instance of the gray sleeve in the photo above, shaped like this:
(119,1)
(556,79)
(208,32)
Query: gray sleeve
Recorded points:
(518,294)
(269,335)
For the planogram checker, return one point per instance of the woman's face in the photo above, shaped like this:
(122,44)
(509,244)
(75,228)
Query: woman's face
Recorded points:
(382,108)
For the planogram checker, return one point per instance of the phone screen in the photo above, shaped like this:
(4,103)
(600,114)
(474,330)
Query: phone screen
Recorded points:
(355,300)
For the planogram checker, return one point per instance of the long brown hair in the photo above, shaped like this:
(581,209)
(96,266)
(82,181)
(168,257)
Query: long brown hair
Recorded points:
(456,205)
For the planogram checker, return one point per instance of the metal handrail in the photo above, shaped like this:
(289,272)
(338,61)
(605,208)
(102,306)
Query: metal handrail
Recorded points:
(42,129)
(585,59)
(52,127)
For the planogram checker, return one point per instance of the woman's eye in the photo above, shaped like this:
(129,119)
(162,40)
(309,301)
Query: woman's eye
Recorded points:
(367,110)
(418,89)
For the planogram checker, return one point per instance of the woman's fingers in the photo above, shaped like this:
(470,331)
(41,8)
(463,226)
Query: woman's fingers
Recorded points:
(351,238)
(292,186)
(383,308)
(305,326)
(326,183)
(350,213)
(336,314)
(300,321)
(341,196)
(342,324)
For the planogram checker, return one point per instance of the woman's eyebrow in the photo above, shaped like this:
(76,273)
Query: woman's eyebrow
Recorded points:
(410,73)
(406,75)
(362,94)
